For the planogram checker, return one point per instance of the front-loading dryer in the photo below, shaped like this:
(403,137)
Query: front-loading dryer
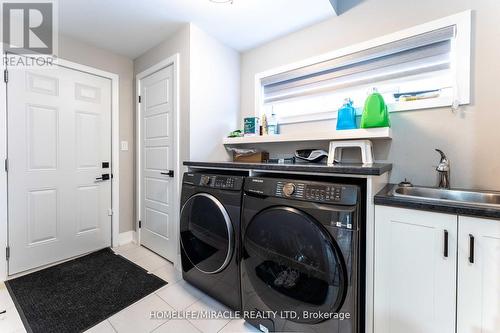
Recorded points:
(210,234)
(301,264)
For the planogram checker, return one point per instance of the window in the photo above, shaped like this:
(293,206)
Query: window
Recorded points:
(422,67)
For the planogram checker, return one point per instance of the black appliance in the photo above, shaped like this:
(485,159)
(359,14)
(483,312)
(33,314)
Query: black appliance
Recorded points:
(210,234)
(301,263)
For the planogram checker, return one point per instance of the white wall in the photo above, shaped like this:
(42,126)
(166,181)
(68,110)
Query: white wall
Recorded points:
(209,90)
(469,137)
(214,95)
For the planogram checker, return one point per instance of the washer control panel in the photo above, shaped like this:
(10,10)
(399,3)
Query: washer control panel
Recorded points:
(214,181)
(341,194)
(324,192)
(309,192)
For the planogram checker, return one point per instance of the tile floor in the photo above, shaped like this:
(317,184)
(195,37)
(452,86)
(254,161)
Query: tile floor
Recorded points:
(176,295)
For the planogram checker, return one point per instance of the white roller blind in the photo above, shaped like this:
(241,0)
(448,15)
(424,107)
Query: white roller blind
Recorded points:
(418,54)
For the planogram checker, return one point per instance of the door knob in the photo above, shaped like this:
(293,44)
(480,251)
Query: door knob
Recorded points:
(104,176)
(170,173)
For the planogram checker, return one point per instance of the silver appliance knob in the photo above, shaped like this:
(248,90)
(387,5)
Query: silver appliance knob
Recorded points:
(288,189)
(205,180)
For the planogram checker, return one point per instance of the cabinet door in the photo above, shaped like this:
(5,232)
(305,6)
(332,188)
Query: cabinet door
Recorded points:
(415,271)
(478,275)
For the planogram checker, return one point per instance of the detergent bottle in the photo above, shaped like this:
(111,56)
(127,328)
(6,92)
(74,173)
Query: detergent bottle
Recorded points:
(375,112)
(346,117)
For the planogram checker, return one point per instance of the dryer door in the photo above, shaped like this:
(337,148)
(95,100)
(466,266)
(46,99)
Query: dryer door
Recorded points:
(293,264)
(207,236)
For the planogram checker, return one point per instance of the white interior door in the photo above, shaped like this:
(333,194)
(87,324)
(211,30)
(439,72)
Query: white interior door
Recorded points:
(157,160)
(59,135)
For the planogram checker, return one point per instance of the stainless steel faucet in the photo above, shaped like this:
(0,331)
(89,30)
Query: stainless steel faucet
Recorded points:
(443,169)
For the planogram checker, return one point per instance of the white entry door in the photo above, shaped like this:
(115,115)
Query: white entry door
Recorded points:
(157,161)
(59,135)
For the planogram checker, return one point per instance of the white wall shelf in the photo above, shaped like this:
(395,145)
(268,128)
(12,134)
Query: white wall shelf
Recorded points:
(360,133)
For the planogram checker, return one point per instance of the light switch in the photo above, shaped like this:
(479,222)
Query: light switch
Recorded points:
(124,145)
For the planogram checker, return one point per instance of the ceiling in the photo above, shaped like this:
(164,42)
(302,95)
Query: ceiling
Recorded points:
(131,27)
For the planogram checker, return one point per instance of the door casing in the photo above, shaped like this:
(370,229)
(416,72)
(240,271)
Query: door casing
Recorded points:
(115,158)
(170,61)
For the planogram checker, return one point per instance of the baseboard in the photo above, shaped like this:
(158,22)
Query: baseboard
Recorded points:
(126,237)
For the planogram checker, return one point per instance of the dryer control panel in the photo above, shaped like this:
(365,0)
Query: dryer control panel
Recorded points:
(214,181)
(341,194)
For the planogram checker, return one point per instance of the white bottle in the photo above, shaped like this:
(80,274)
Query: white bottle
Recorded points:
(272,124)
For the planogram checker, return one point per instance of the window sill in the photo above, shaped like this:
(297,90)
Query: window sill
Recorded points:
(394,107)
(430,103)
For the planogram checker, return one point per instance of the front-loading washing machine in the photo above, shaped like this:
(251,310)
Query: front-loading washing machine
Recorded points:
(210,234)
(301,269)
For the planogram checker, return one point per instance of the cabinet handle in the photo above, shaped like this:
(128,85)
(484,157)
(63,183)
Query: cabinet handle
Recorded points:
(446,244)
(471,249)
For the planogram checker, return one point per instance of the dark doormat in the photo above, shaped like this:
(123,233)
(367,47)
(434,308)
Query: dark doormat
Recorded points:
(78,294)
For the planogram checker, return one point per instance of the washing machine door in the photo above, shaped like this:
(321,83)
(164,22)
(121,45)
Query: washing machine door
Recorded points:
(207,236)
(293,264)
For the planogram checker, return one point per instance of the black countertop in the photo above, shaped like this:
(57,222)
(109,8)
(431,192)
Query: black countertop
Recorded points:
(385,198)
(375,169)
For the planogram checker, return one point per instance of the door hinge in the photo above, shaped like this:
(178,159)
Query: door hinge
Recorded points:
(7,252)
(110,212)
(140,99)
(5,76)
(140,224)
(6,165)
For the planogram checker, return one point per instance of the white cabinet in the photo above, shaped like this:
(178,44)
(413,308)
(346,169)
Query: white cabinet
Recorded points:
(478,276)
(415,271)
